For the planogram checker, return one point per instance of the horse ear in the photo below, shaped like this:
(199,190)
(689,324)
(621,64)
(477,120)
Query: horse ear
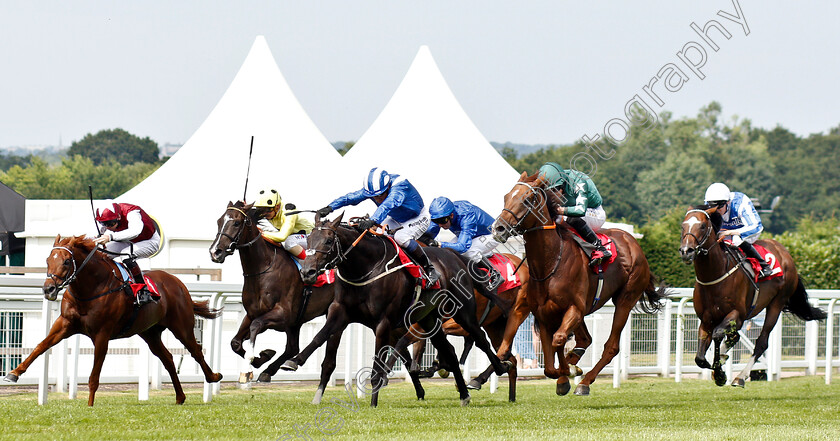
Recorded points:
(230,204)
(337,220)
(523,176)
(57,240)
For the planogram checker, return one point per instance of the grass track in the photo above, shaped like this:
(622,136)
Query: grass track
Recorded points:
(801,408)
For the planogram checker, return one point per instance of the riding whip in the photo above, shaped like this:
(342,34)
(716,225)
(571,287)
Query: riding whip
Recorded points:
(95,224)
(248,173)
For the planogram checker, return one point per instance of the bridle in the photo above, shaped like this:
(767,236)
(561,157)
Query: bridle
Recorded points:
(64,281)
(341,256)
(234,241)
(518,230)
(700,242)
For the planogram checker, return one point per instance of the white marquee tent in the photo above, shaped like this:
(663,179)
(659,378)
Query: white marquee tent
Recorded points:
(424,135)
(190,191)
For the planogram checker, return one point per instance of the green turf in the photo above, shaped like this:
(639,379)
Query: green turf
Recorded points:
(801,408)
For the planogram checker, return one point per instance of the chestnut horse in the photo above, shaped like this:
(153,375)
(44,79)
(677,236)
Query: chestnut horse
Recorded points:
(724,297)
(500,328)
(373,289)
(95,304)
(562,288)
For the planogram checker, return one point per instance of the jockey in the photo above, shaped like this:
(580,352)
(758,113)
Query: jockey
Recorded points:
(740,220)
(399,205)
(475,241)
(124,226)
(278,227)
(573,194)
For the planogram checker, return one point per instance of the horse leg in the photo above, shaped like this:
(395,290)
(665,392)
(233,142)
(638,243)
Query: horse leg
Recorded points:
(470,324)
(100,348)
(241,334)
(292,348)
(273,319)
(730,324)
(514,320)
(60,330)
(448,355)
(548,351)
(381,367)
(185,334)
(468,345)
(152,338)
(704,340)
(771,316)
(571,320)
(623,305)
(582,341)
(414,374)
(336,322)
(327,367)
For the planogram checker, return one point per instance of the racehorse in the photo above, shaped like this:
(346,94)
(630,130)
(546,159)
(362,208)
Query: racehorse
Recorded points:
(724,297)
(563,289)
(500,328)
(96,304)
(373,289)
(272,293)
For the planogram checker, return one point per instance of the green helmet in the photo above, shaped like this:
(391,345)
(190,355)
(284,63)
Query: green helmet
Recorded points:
(553,174)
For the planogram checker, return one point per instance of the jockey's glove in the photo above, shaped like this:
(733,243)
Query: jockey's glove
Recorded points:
(434,243)
(366,224)
(324,211)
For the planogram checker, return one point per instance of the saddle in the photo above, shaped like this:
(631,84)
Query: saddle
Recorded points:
(752,266)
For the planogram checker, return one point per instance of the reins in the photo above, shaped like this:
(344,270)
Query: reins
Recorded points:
(76,270)
(551,226)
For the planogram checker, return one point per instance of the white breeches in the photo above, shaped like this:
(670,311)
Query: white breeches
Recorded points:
(482,246)
(411,229)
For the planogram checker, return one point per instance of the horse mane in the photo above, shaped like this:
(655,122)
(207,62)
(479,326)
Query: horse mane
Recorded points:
(716,218)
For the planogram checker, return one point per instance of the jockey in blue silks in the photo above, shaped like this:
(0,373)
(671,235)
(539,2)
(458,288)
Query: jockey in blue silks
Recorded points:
(475,240)
(740,220)
(399,205)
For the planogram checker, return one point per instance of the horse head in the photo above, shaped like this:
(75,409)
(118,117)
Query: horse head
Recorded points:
(64,262)
(324,248)
(525,205)
(698,232)
(232,225)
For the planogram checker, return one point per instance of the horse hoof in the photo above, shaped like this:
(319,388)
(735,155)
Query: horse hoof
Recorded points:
(720,377)
(264,357)
(738,382)
(289,365)
(11,378)
(577,371)
(582,389)
(465,402)
(443,373)
(563,388)
(179,399)
(264,378)
(474,385)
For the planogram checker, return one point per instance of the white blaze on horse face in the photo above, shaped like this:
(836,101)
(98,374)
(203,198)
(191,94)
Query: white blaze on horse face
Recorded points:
(515,192)
(691,222)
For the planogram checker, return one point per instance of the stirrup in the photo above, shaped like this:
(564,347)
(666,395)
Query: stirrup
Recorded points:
(765,272)
(432,276)
(144,296)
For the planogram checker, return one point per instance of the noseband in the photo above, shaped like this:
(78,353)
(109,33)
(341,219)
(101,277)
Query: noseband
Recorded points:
(700,242)
(234,241)
(69,279)
(517,227)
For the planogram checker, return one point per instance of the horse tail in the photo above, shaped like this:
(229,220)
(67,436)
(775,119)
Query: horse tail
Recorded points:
(654,296)
(202,309)
(799,305)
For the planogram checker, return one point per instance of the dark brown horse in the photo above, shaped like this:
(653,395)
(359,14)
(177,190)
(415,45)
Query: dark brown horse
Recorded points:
(374,290)
(500,328)
(563,289)
(95,304)
(724,297)
(272,293)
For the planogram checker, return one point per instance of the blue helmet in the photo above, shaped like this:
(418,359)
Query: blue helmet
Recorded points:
(378,181)
(441,207)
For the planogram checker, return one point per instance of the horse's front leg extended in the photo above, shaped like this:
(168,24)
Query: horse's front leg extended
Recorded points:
(327,367)
(60,330)
(336,322)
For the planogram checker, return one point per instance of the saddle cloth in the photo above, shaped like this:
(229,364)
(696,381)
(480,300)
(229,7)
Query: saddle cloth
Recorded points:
(150,284)
(506,268)
(605,241)
(414,269)
(325,278)
(768,257)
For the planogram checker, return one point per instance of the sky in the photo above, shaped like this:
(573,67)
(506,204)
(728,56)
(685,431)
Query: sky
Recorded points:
(536,72)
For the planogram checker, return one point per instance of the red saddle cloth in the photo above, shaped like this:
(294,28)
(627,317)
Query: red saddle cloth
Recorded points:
(325,278)
(507,269)
(150,284)
(414,269)
(608,244)
(768,257)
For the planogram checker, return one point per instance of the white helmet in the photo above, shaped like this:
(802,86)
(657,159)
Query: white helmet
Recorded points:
(717,192)
(377,182)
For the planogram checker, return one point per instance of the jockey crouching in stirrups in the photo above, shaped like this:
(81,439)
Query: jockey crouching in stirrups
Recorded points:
(127,227)
(574,198)
(399,205)
(740,220)
(281,228)
(475,241)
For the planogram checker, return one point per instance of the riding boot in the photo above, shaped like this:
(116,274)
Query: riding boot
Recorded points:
(751,252)
(143,295)
(600,253)
(417,253)
(492,279)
